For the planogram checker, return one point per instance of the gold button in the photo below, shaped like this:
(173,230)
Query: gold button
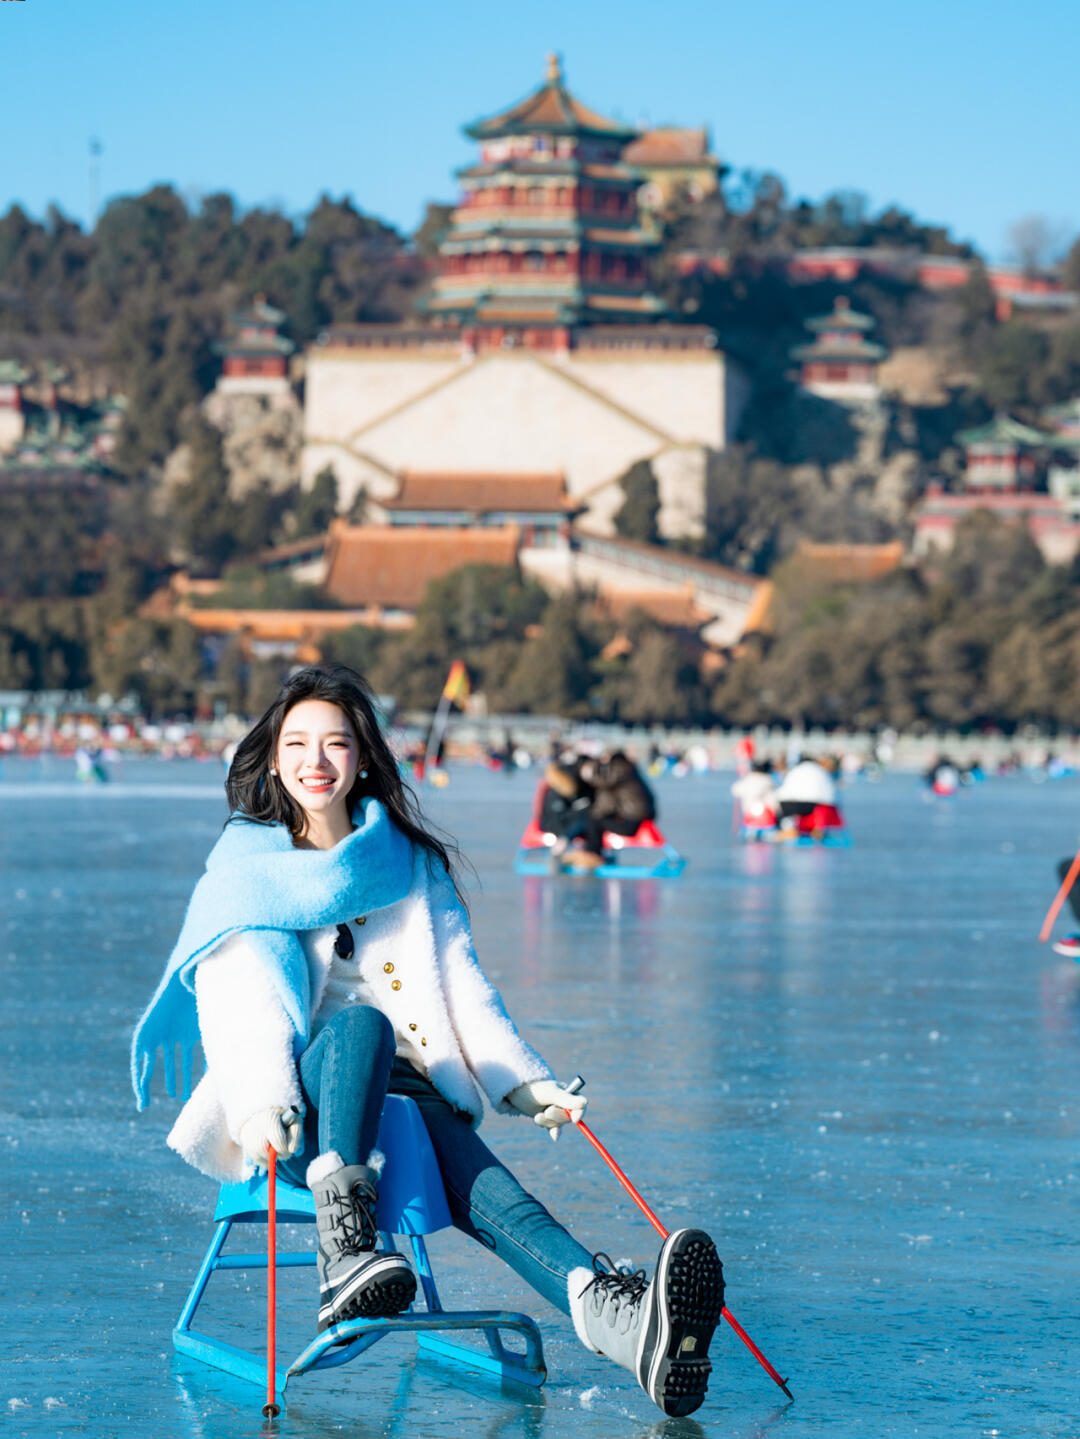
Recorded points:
(423,1041)
(395,984)
(388,968)
(361,919)
(413,1028)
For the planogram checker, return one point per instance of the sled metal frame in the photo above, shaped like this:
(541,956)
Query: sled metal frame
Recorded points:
(346,1341)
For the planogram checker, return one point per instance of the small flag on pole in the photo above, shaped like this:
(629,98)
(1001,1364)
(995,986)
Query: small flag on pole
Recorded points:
(456,690)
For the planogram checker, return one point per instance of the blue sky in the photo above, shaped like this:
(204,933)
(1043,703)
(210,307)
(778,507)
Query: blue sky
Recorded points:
(966,113)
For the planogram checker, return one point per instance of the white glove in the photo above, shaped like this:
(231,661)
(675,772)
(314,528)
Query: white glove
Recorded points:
(546,1103)
(277,1128)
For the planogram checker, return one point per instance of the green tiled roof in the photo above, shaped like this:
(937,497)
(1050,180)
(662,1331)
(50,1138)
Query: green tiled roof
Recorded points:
(549,109)
(1003,430)
(842,318)
(850,350)
(258,312)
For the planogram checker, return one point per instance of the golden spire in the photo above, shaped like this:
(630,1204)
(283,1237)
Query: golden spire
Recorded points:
(554,69)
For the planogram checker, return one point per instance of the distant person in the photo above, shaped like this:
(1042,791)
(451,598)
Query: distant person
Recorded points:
(500,755)
(89,765)
(744,755)
(565,804)
(621,803)
(805,785)
(325,961)
(943,777)
(756,793)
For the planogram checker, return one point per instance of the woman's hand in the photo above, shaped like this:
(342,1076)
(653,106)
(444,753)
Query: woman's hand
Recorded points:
(546,1103)
(278,1129)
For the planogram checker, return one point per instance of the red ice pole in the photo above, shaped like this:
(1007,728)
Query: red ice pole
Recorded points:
(663,1233)
(271,1409)
(1059,899)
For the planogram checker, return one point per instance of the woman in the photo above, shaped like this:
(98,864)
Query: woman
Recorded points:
(326,961)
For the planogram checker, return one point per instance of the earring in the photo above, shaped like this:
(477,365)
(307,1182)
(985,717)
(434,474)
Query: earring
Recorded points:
(363,774)
(274,773)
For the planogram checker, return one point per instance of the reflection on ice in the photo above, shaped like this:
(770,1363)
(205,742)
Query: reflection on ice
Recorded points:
(854,1066)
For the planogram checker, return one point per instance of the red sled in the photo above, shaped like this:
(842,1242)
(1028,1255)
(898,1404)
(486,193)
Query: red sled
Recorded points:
(823,825)
(660,859)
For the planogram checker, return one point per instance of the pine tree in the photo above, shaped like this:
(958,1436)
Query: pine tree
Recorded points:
(636,518)
(203,515)
(318,506)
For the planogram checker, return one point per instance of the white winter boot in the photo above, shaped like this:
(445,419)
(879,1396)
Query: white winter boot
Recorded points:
(355,1280)
(660,1331)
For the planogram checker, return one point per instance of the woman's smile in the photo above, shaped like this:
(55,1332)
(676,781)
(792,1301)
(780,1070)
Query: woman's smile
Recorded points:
(317,783)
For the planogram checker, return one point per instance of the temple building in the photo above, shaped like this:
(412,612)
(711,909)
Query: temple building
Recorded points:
(840,363)
(255,353)
(547,235)
(541,348)
(50,435)
(673,165)
(1063,476)
(536,503)
(1022,475)
(1004,455)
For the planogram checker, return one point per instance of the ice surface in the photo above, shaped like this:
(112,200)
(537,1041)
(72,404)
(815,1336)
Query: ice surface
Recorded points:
(856,1068)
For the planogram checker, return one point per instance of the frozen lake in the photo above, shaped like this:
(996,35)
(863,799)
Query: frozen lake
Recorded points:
(857,1069)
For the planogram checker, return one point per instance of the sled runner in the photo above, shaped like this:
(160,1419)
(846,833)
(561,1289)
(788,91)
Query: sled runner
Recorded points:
(412,1203)
(646,854)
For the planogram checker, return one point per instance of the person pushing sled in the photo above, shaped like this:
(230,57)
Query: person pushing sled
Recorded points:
(326,961)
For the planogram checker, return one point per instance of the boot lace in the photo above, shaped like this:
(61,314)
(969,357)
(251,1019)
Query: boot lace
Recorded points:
(621,1285)
(352,1219)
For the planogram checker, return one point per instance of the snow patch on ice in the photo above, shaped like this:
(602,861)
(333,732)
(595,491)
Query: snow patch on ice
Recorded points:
(588,1395)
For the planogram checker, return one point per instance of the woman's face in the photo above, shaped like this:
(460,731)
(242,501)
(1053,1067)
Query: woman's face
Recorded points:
(318,756)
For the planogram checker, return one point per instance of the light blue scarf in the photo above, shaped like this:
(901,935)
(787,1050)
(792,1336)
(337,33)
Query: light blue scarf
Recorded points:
(255,880)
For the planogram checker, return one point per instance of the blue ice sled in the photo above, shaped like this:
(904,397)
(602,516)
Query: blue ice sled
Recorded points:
(829,839)
(412,1203)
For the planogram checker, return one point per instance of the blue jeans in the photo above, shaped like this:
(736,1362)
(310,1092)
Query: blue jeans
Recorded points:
(346,1073)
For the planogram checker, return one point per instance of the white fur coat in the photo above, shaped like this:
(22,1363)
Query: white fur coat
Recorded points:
(249,1042)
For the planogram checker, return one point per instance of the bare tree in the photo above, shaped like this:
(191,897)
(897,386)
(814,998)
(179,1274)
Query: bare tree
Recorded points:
(1036,241)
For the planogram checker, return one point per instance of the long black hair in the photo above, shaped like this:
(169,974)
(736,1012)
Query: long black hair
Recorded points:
(255,794)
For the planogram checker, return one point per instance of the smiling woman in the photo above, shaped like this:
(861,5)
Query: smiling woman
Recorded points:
(324,981)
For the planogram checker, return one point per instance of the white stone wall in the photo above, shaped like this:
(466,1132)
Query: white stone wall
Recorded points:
(345,392)
(371,415)
(253,385)
(682,395)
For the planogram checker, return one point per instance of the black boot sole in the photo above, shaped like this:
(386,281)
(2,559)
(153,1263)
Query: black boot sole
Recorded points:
(378,1299)
(688,1296)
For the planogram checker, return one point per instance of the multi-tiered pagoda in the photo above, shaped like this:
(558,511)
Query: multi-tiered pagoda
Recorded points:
(547,236)
(256,354)
(841,362)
